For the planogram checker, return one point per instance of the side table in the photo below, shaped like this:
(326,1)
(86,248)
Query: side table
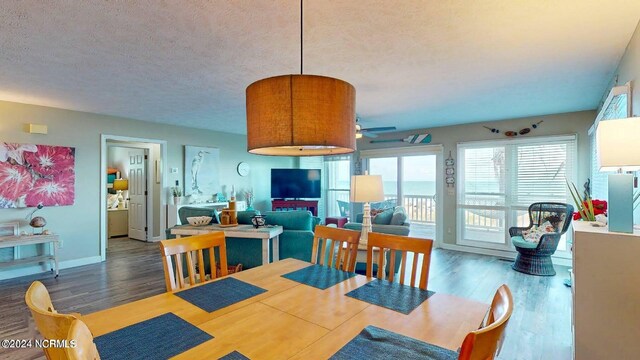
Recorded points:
(338,220)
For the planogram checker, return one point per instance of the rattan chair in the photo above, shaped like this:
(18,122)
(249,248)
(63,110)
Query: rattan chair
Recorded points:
(535,259)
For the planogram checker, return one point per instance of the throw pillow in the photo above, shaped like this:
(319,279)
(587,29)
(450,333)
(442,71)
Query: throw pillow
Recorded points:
(383,218)
(399,216)
(534,234)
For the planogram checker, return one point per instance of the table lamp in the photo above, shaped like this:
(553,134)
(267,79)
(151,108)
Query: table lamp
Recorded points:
(366,188)
(618,151)
(120,185)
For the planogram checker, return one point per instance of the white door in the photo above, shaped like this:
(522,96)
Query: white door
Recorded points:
(138,194)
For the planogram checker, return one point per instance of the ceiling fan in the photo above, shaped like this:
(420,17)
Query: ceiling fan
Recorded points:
(370,132)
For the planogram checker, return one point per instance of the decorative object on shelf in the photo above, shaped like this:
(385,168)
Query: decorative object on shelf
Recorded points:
(36,174)
(9,229)
(617,151)
(449,171)
(243,168)
(587,208)
(301,115)
(258,221)
(523,131)
(248,197)
(202,170)
(199,220)
(176,191)
(38,221)
(411,139)
(120,185)
(365,189)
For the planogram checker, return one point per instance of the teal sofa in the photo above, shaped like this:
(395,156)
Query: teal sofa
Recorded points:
(393,221)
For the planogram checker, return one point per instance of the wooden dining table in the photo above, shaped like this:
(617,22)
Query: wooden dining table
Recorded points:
(293,320)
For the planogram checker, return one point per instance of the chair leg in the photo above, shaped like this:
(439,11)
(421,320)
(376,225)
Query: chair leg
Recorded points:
(540,265)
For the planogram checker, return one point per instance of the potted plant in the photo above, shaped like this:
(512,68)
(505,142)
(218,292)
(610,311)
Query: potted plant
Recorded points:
(176,191)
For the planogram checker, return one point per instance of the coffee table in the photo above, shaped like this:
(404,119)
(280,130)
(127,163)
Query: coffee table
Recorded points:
(241,231)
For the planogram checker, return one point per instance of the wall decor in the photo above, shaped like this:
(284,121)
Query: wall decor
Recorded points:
(202,170)
(512,133)
(32,175)
(449,171)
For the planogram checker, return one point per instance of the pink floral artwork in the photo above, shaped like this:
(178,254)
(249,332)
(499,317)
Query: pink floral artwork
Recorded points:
(32,175)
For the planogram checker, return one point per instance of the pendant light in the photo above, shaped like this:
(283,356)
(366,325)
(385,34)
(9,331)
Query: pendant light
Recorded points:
(300,115)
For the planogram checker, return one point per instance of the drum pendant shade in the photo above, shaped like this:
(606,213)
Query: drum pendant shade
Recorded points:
(300,115)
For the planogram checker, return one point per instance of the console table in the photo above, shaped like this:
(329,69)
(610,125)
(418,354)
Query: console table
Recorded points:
(21,240)
(283,205)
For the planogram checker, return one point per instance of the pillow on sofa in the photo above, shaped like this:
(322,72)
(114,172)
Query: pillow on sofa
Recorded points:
(399,216)
(534,234)
(383,218)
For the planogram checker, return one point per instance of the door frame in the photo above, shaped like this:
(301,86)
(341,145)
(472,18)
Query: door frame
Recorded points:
(104,138)
(417,150)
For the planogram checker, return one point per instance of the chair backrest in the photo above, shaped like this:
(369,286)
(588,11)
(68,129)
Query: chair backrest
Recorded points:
(405,244)
(176,250)
(486,342)
(50,324)
(338,246)
(558,214)
(83,347)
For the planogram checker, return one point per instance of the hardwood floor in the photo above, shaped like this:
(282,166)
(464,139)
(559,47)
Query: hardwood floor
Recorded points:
(539,328)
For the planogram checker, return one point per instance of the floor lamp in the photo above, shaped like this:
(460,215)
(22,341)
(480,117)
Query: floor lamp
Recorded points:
(618,151)
(364,189)
(120,185)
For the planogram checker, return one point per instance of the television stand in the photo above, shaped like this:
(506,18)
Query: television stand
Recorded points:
(285,205)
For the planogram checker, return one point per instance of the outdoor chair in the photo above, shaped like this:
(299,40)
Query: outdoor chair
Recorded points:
(535,258)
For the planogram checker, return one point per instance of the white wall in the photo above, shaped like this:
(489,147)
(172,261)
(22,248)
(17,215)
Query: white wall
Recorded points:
(449,136)
(78,225)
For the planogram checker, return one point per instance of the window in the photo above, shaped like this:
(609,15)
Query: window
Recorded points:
(498,181)
(337,171)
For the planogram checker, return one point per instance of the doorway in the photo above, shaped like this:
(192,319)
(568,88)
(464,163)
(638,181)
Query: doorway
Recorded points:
(139,161)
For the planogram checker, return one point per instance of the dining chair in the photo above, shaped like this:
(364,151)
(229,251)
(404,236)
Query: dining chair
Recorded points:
(486,342)
(404,244)
(339,247)
(83,347)
(51,324)
(175,250)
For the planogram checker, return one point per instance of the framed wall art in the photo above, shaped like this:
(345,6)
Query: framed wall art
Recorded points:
(201,170)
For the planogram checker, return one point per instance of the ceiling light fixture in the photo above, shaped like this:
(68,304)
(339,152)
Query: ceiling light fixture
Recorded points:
(301,115)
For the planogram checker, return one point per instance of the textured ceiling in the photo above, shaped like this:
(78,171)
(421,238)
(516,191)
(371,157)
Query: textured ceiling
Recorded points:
(415,64)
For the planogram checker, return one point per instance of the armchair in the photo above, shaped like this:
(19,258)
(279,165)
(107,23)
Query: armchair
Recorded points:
(535,258)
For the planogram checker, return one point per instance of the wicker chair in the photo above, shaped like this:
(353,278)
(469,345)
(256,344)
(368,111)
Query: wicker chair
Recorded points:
(535,259)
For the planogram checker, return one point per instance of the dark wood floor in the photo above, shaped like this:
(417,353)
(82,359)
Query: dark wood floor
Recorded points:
(539,328)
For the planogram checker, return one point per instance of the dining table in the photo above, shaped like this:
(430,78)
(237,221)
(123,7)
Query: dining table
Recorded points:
(291,320)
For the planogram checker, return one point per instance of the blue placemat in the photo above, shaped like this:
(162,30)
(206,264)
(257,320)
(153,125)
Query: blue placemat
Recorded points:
(393,296)
(318,276)
(161,337)
(219,294)
(376,343)
(234,355)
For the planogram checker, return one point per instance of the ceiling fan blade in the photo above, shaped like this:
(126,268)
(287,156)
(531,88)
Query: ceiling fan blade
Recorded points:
(381,128)
(369,134)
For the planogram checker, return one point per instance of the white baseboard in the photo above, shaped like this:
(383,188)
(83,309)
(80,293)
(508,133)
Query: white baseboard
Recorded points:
(36,269)
(499,253)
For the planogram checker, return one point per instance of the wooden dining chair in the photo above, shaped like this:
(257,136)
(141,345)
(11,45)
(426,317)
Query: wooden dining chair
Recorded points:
(189,249)
(486,342)
(50,324)
(82,347)
(404,244)
(339,247)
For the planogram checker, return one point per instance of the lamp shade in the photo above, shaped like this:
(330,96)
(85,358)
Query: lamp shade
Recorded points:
(366,188)
(300,115)
(617,144)
(120,184)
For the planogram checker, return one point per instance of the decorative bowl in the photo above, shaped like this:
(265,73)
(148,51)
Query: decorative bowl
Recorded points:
(199,220)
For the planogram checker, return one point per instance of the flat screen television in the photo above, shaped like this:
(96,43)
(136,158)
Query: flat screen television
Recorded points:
(295,183)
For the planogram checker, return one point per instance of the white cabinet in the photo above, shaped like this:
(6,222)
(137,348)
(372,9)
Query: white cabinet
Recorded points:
(606,293)
(118,222)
